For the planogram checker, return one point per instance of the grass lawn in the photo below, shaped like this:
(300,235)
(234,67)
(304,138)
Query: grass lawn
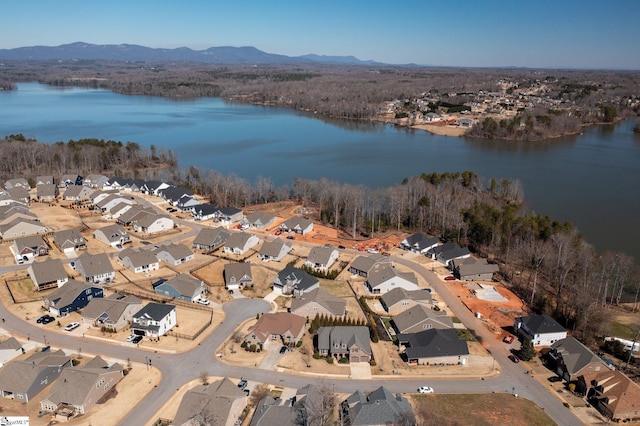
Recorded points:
(483,409)
(622,330)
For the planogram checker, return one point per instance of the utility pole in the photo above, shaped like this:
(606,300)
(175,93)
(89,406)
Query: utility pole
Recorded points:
(633,345)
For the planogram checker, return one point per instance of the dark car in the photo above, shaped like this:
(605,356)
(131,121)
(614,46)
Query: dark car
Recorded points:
(45,319)
(136,340)
(242,384)
(290,237)
(514,358)
(283,349)
(554,379)
(449,278)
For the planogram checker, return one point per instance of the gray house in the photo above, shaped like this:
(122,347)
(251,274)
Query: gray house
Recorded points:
(318,302)
(48,274)
(95,268)
(419,243)
(221,400)
(112,235)
(181,287)
(364,265)
(274,250)
(24,379)
(345,341)
(297,224)
(472,269)
(237,275)
(69,240)
(114,312)
(381,407)
(434,347)
(174,254)
(209,239)
(420,318)
(292,280)
(322,257)
(259,220)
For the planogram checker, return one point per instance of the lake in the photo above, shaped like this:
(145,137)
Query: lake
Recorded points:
(590,179)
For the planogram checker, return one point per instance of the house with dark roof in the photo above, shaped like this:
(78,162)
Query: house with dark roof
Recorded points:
(72,296)
(237,275)
(95,268)
(383,280)
(113,312)
(280,327)
(48,274)
(420,318)
(181,287)
(322,257)
(447,252)
(351,342)
(399,300)
(274,250)
(29,247)
(542,330)
(138,261)
(22,380)
(364,265)
(204,211)
(229,214)
(221,400)
(152,187)
(69,240)
(318,302)
(95,181)
(615,395)
(240,242)
(575,363)
(154,319)
(298,225)
(379,408)
(186,202)
(472,269)
(70,180)
(173,193)
(80,388)
(275,412)
(209,239)
(174,254)
(259,219)
(434,347)
(419,243)
(292,280)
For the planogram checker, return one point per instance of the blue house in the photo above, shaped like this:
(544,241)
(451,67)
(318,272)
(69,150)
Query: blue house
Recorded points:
(72,296)
(181,287)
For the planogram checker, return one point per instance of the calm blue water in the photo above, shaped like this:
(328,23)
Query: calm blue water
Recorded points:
(590,180)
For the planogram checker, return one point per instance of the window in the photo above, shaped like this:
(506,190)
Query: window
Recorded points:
(427,326)
(100,382)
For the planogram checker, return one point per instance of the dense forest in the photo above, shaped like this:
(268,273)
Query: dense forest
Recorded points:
(362,92)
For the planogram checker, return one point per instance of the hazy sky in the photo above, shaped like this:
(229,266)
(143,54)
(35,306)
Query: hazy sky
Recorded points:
(541,33)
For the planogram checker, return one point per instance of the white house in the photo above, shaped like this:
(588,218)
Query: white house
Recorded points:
(321,257)
(152,223)
(240,243)
(542,330)
(112,235)
(138,261)
(274,250)
(95,268)
(385,279)
(297,224)
(154,319)
(174,254)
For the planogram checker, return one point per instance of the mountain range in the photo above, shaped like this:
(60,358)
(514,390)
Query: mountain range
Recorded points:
(135,53)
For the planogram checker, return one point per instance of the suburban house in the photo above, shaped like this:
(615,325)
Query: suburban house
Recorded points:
(13,211)
(322,257)
(174,254)
(29,247)
(240,242)
(274,250)
(345,341)
(399,300)
(419,243)
(615,395)
(433,347)
(204,211)
(95,181)
(9,349)
(44,180)
(70,297)
(23,379)
(48,274)
(20,228)
(318,302)
(70,180)
(281,327)
(17,183)
(172,194)
(94,268)
(129,216)
(80,388)
(229,214)
(237,275)
(383,280)
(155,319)
(542,330)
(152,187)
(114,312)
(126,184)
(259,220)
(118,210)
(472,269)
(447,252)
(181,287)
(78,193)
(112,235)
(297,224)
(112,200)
(221,400)
(292,280)
(69,240)
(138,261)
(209,239)
(420,318)
(186,203)
(153,223)
(46,192)
(380,408)
(275,411)
(17,195)
(575,363)
(364,265)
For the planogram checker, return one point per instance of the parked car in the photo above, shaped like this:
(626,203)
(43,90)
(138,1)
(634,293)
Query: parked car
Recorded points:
(136,339)
(230,291)
(509,338)
(283,349)
(290,237)
(425,389)
(72,326)
(45,319)
(449,278)
(514,358)
(242,384)
(203,301)
(554,379)
(131,337)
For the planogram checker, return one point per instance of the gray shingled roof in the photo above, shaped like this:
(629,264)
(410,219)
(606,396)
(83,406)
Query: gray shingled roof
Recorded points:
(382,275)
(72,235)
(112,306)
(272,248)
(65,295)
(155,311)
(542,324)
(420,314)
(48,271)
(95,264)
(434,343)
(185,285)
(333,304)
(320,255)
(397,294)
(210,236)
(215,400)
(575,355)
(348,335)
(177,251)
(381,407)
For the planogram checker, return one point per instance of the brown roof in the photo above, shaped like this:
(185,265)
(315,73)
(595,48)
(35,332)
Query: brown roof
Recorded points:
(278,323)
(622,392)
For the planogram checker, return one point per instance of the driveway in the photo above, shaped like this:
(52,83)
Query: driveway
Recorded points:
(360,370)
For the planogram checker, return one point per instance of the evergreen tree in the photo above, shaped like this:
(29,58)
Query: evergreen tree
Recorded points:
(527,351)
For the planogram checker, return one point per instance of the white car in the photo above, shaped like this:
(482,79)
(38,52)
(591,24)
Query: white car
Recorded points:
(72,326)
(203,301)
(425,389)
(131,337)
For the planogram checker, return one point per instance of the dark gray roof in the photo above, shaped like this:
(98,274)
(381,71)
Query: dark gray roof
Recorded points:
(542,324)
(72,235)
(382,275)
(271,412)
(214,400)
(434,343)
(95,264)
(333,304)
(419,241)
(320,255)
(65,295)
(348,335)
(295,277)
(273,248)
(397,294)
(367,263)
(155,311)
(420,314)
(381,407)
(211,236)
(575,355)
